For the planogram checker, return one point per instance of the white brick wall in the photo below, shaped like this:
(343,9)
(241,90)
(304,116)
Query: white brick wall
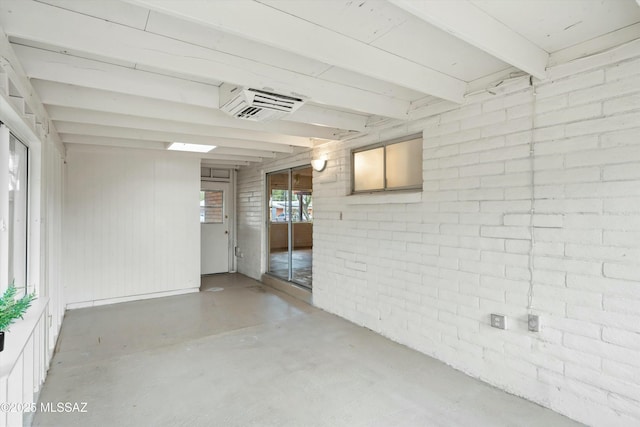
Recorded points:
(427,271)
(249,206)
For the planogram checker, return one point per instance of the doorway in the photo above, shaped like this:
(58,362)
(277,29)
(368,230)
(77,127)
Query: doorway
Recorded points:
(290,230)
(214,228)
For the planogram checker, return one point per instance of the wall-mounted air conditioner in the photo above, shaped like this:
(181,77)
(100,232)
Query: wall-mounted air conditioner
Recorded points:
(256,104)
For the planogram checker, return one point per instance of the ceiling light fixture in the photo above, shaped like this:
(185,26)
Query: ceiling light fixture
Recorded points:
(195,148)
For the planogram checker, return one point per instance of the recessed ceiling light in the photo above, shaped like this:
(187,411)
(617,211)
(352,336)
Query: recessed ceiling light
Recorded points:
(196,148)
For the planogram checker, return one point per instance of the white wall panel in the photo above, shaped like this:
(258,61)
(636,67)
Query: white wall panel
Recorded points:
(131,225)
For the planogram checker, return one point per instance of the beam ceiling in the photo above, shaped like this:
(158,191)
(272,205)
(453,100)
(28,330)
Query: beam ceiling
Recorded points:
(247,18)
(142,73)
(466,21)
(85,34)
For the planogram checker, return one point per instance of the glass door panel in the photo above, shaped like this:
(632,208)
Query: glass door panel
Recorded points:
(279,217)
(291,225)
(302,226)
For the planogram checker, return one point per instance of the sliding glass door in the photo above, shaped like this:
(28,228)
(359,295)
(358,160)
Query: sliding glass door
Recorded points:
(290,243)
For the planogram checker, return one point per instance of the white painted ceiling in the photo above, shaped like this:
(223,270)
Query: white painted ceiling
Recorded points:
(143,73)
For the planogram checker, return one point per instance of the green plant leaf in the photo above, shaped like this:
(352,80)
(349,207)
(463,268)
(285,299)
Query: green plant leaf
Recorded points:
(12,308)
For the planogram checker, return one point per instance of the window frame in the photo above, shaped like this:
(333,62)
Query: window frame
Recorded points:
(417,187)
(11,231)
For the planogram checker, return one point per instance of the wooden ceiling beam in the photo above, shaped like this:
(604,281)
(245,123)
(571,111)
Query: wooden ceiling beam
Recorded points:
(462,19)
(111,42)
(166,137)
(169,127)
(246,18)
(44,64)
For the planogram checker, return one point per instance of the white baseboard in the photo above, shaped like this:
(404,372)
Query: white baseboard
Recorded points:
(96,303)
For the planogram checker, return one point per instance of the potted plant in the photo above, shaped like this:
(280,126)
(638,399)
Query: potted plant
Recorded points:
(12,309)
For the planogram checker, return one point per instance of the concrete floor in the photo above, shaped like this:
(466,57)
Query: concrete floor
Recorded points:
(302,263)
(239,354)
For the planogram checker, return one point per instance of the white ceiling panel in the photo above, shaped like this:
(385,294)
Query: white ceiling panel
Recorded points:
(423,43)
(109,10)
(363,20)
(351,78)
(211,38)
(557,24)
(66,50)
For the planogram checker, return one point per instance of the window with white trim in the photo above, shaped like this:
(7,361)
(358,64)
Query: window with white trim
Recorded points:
(388,166)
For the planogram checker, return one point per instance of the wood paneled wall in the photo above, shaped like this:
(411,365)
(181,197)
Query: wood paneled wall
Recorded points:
(131,225)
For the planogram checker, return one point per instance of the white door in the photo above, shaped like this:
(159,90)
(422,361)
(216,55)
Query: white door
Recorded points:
(214,228)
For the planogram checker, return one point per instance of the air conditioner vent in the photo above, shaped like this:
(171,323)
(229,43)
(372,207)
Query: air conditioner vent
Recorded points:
(256,104)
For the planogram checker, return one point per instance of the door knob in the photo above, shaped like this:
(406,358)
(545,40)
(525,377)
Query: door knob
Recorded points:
(226,232)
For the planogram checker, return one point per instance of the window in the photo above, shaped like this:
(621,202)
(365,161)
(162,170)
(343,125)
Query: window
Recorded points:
(211,204)
(14,200)
(393,165)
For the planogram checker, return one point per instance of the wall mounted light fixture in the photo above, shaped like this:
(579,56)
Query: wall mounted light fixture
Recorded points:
(319,164)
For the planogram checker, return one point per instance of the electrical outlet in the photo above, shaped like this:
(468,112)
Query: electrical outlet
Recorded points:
(238,253)
(534,323)
(499,321)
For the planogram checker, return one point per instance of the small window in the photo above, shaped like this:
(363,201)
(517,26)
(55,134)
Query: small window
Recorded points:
(393,165)
(211,207)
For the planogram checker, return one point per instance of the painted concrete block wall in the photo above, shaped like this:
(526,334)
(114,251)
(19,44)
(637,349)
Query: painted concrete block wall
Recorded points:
(250,193)
(487,236)
(131,225)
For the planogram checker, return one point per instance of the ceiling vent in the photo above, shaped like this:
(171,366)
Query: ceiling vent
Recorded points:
(255,104)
